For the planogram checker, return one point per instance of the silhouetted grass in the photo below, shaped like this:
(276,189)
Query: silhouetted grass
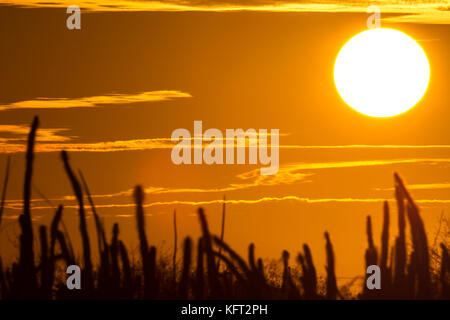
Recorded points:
(404,274)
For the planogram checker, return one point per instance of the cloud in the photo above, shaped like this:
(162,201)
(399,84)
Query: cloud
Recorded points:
(19,205)
(103,146)
(366,146)
(95,101)
(421,12)
(289,172)
(20,133)
(427,186)
(10,145)
(259,181)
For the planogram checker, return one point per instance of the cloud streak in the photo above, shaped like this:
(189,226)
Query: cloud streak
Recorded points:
(20,132)
(425,186)
(288,174)
(13,146)
(18,206)
(95,101)
(421,12)
(367,146)
(103,146)
(288,171)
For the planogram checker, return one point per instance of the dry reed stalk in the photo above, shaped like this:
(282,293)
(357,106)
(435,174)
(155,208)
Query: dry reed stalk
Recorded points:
(332,290)
(385,238)
(199,273)
(222,231)
(444,278)
(420,243)
(251,256)
(65,252)
(5,187)
(400,245)
(83,226)
(3,283)
(184,281)
(175,240)
(213,282)
(234,256)
(45,264)
(101,237)
(53,231)
(26,260)
(114,250)
(127,282)
(143,244)
(309,275)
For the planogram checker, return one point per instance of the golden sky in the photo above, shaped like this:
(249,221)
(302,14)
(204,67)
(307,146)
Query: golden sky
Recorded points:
(113,92)
(408,11)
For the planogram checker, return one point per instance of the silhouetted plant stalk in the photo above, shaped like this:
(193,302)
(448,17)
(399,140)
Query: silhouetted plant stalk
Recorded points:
(199,284)
(3,283)
(148,256)
(4,292)
(184,281)
(101,237)
(222,232)
(385,269)
(114,249)
(420,243)
(127,281)
(26,281)
(44,264)
(400,245)
(371,256)
(309,276)
(52,258)
(5,187)
(175,240)
(288,287)
(83,227)
(332,290)
(213,282)
(66,254)
(445,273)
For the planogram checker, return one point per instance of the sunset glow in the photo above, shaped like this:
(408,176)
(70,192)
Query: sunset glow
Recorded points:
(224,149)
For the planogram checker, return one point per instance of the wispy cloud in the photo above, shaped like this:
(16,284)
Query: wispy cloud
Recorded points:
(368,146)
(425,186)
(11,145)
(18,206)
(103,146)
(95,101)
(288,172)
(422,11)
(20,132)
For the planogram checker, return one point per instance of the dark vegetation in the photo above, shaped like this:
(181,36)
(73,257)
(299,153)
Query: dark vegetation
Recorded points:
(211,270)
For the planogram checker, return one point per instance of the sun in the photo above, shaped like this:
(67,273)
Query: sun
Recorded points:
(381,72)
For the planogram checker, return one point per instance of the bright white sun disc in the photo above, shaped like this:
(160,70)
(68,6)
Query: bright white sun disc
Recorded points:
(381,72)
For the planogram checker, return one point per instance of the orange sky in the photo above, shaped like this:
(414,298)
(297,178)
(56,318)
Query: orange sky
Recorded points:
(113,92)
